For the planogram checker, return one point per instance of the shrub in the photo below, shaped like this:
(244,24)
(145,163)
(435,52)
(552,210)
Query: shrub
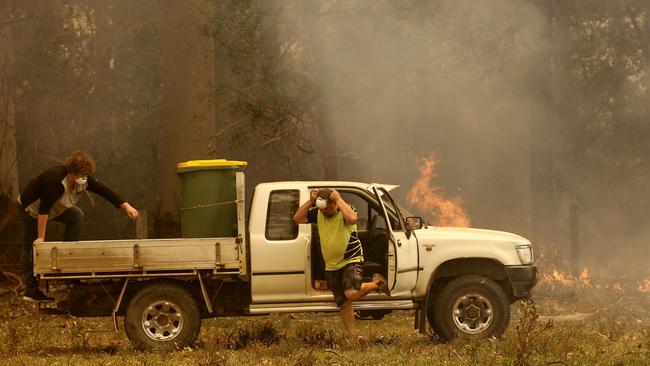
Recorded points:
(311,335)
(265,334)
(527,330)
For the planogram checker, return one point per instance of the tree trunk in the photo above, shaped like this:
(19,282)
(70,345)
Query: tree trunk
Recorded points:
(8,162)
(542,144)
(187,116)
(326,143)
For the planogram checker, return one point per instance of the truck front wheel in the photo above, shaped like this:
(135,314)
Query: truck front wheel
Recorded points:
(470,306)
(162,317)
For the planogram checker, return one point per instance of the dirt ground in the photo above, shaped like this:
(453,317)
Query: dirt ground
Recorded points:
(567,325)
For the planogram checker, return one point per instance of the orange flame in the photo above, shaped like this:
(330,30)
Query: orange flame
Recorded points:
(557,277)
(553,278)
(584,277)
(560,277)
(443,211)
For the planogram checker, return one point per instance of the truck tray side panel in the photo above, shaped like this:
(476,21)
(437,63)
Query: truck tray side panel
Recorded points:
(140,255)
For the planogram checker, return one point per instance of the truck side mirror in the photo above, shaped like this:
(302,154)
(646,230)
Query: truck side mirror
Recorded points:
(413,223)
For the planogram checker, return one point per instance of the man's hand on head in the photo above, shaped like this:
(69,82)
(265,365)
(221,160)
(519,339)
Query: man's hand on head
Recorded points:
(335,196)
(349,215)
(313,195)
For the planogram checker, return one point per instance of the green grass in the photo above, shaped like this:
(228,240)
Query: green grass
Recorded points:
(615,332)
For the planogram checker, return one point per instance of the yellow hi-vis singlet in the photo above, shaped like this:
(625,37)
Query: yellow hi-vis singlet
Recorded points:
(339,242)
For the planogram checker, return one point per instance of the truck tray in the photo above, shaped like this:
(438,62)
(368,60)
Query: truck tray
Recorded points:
(137,258)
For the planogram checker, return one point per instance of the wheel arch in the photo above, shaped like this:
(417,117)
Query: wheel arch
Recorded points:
(456,267)
(488,267)
(134,288)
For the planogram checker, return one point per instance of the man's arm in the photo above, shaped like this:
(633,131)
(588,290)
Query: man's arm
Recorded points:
(50,196)
(96,187)
(301,214)
(42,224)
(111,196)
(349,215)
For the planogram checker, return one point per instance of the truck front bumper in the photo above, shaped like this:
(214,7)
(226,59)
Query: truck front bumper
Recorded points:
(522,279)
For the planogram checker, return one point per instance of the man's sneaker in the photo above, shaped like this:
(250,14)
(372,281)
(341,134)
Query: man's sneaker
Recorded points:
(37,296)
(382,284)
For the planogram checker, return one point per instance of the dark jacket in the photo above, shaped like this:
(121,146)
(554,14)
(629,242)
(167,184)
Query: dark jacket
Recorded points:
(48,188)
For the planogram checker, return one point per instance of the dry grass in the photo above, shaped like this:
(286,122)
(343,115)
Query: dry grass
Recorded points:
(613,330)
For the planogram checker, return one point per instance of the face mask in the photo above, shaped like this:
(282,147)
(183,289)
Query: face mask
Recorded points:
(81,180)
(321,203)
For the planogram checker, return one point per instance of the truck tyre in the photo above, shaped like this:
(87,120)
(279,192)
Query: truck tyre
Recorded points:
(471,307)
(162,317)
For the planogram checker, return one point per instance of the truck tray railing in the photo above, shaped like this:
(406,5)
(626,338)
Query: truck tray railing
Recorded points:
(137,258)
(143,274)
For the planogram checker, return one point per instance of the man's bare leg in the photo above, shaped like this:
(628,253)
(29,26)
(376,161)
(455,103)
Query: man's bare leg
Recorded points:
(346,309)
(348,318)
(366,288)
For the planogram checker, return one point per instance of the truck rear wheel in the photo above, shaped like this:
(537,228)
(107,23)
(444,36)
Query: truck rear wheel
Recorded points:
(471,307)
(162,317)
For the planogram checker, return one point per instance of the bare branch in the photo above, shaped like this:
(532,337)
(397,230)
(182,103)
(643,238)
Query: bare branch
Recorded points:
(227,128)
(19,281)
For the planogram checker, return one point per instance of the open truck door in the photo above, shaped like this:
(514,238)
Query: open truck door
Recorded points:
(403,257)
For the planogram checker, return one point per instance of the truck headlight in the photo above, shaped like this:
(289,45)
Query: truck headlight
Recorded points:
(525,253)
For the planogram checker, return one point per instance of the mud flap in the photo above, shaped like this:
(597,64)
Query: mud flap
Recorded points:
(117,305)
(421,317)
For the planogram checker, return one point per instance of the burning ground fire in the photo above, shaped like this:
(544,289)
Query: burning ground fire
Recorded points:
(450,212)
(442,211)
(567,280)
(554,278)
(645,285)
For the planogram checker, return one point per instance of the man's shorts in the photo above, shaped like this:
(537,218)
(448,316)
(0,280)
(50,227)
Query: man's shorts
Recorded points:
(346,278)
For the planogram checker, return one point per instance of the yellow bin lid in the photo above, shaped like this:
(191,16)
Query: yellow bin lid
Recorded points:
(209,164)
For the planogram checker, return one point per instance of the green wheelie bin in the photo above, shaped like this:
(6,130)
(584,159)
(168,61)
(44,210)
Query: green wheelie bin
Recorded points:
(209,197)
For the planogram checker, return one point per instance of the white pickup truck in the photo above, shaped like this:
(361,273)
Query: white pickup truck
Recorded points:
(459,281)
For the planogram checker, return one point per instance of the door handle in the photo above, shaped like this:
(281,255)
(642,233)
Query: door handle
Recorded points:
(399,242)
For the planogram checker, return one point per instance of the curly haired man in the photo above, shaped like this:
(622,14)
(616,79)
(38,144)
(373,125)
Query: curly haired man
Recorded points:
(52,196)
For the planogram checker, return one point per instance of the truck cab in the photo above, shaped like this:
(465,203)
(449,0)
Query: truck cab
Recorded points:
(418,261)
(286,261)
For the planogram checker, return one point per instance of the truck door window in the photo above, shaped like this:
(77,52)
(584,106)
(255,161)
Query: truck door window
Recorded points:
(372,229)
(395,220)
(365,211)
(279,217)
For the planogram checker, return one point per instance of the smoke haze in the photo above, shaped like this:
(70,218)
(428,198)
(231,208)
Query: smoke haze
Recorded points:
(401,80)
(528,107)
(465,79)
